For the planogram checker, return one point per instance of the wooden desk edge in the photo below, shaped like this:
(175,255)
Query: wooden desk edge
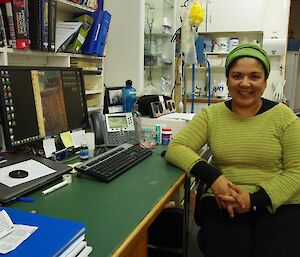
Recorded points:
(146,222)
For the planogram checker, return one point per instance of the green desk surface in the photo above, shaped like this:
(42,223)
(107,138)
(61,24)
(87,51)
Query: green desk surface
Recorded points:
(111,210)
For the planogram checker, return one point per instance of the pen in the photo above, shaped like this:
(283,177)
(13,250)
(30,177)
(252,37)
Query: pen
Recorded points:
(25,199)
(55,187)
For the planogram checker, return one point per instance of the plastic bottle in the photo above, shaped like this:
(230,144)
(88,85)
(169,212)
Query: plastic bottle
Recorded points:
(166,136)
(84,151)
(214,89)
(223,90)
(128,97)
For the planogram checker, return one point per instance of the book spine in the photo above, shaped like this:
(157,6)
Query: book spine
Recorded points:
(4,41)
(1,39)
(5,24)
(45,19)
(35,24)
(20,24)
(27,20)
(11,27)
(52,25)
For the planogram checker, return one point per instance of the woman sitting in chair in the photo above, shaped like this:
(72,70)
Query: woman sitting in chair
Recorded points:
(252,207)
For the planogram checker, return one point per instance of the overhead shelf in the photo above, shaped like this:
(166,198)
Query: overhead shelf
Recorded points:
(68,6)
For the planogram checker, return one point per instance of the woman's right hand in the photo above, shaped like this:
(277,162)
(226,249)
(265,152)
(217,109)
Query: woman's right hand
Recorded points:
(221,187)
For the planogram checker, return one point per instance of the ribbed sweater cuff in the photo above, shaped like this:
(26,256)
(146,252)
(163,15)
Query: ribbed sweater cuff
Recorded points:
(205,172)
(259,200)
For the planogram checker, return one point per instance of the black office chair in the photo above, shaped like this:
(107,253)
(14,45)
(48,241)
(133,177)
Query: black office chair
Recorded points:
(201,188)
(165,235)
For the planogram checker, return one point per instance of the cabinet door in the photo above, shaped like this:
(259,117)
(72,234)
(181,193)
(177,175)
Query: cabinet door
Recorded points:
(234,15)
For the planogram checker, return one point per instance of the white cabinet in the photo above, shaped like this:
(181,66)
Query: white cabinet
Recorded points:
(129,37)
(233,16)
(65,10)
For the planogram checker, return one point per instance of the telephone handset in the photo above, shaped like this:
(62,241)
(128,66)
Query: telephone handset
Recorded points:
(114,129)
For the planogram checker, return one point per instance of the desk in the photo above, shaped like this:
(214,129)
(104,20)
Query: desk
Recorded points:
(117,214)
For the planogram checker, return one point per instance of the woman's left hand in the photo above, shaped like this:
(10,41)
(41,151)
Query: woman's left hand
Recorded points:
(239,198)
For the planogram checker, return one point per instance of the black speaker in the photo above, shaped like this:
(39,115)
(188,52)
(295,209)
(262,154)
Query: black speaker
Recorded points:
(144,103)
(159,108)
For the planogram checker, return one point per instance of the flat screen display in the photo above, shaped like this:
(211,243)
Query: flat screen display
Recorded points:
(39,101)
(117,122)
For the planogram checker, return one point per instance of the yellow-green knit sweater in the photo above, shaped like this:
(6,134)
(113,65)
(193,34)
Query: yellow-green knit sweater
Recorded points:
(252,152)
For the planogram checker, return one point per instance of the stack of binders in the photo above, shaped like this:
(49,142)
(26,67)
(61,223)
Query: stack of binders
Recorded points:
(54,236)
(96,39)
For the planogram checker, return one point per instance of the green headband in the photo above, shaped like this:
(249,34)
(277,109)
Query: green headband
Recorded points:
(249,50)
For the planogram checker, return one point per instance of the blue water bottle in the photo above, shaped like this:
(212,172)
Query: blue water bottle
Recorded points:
(128,96)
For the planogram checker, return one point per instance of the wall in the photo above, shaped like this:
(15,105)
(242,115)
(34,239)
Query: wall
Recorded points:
(125,33)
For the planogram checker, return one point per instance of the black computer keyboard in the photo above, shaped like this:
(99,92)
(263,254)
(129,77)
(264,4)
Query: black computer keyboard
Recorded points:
(112,163)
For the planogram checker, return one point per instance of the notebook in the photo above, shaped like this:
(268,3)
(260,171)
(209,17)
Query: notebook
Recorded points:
(10,193)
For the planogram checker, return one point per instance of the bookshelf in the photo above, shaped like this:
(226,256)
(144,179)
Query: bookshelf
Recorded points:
(92,65)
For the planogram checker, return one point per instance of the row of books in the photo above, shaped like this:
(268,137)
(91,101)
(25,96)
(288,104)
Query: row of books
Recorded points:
(34,26)
(93,4)
(54,236)
(26,26)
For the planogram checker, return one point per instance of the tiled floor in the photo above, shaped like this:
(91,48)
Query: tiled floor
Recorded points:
(193,248)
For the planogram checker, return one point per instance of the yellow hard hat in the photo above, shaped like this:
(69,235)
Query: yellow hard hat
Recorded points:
(196,14)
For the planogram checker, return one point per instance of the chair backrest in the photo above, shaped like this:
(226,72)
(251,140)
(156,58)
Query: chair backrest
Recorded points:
(201,188)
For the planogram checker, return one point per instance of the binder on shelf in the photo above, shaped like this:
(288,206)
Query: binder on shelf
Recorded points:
(100,48)
(52,6)
(79,37)
(52,238)
(35,24)
(96,39)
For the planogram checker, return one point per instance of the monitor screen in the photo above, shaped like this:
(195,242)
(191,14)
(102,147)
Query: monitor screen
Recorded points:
(40,101)
(117,122)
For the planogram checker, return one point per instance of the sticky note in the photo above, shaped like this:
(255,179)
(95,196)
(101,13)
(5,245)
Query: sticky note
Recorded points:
(66,139)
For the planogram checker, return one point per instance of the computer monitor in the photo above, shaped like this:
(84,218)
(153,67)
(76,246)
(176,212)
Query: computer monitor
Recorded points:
(40,101)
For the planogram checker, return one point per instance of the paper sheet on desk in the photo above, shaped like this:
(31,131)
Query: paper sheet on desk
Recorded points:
(34,168)
(49,146)
(65,29)
(77,137)
(177,116)
(15,238)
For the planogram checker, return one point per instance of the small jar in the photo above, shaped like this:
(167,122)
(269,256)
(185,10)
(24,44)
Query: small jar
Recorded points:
(166,136)
(84,151)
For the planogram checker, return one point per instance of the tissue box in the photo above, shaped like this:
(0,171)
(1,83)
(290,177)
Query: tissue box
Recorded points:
(274,46)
